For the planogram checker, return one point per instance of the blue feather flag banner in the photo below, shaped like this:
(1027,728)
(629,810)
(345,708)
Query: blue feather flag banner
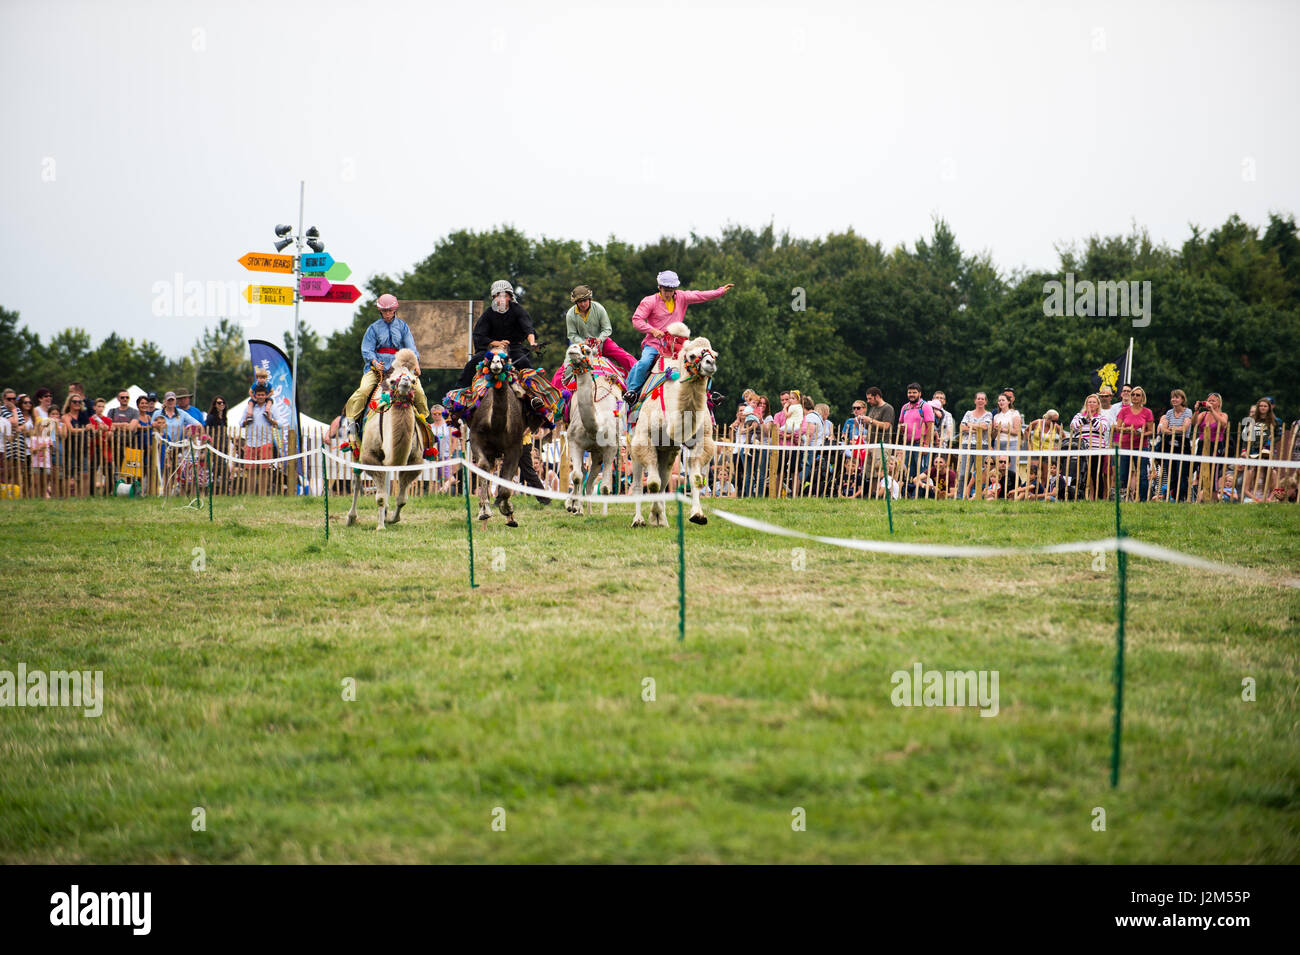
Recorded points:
(283,393)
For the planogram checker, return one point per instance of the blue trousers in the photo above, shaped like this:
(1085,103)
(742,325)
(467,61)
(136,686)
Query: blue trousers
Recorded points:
(641,370)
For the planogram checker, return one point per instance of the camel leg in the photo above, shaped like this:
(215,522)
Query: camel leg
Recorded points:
(509,466)
(356,493)
(664,459)
(483,512)
(481,460)
(403,482)
(653,484)
(382,490)
(591,478)
(695,477)
(573,506)
(637,520)
(607,474)
(697,512)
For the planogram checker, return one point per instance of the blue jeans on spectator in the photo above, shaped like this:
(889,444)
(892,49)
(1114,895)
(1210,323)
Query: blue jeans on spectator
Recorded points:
(756,472)
(641,370)
(917,462)
(811,461)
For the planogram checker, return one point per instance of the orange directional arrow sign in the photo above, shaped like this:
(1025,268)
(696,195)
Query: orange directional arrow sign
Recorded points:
(266,262)
(269,294)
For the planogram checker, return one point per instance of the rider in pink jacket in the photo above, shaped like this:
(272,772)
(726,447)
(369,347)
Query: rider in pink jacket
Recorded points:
(654,314)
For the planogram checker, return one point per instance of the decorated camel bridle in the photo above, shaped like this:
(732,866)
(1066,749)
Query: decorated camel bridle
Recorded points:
(693,362)
(497,379)
(389,399)
(583,365)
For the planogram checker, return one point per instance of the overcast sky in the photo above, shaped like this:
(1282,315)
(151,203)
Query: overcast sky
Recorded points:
(142,141)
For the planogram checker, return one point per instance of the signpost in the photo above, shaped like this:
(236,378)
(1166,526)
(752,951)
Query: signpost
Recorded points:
(347,294)
(266,262)
(338,272)
(269,294)
(316,261)
(310,286)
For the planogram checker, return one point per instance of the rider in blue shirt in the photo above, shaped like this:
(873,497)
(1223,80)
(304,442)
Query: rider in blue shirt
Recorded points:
(382,340)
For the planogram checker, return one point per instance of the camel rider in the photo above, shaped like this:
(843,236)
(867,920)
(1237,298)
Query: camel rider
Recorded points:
(505,320)
(380,344)
(588,320)
(654,314)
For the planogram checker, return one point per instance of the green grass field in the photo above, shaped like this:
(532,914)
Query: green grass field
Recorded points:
(224,688)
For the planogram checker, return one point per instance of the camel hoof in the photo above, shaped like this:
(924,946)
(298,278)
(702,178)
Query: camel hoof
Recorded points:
(511,522)
(352,519)
(638,522)
(699,519)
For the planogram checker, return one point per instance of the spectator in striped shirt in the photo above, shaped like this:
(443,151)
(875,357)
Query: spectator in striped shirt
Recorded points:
(1091,428)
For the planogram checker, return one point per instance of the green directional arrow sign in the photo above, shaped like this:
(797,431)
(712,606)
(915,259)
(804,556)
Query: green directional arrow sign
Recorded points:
(338,272)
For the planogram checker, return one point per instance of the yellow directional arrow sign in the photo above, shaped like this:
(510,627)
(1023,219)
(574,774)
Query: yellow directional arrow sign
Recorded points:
(269,294)
(266,262)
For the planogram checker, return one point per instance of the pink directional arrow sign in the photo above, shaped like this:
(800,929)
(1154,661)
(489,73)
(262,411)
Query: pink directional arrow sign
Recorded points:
(314,286)
(337,293)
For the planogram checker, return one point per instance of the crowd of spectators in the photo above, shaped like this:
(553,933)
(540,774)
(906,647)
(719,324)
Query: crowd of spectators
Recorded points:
(817,458)
(792,447)
(82,448)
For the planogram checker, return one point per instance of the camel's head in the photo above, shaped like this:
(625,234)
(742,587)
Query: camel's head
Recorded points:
(577,359)
(402,382)
(497,359)
(699,359)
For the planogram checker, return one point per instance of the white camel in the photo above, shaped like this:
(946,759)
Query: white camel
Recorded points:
(593,426)
(391,438)
(682,425)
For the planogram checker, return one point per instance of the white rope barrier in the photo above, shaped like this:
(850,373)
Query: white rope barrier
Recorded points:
(586,498)
(1127,544)
(356,465)
(232,459)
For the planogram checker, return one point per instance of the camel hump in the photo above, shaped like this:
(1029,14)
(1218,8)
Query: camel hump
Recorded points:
(679,329)
(405,358)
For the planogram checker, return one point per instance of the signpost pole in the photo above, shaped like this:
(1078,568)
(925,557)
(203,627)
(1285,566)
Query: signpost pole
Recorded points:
(297,281)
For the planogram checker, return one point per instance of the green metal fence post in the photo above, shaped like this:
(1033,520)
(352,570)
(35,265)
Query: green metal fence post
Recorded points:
(681,574)
(469,522)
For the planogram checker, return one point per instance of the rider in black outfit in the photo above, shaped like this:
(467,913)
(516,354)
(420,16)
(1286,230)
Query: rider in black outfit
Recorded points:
(506,320)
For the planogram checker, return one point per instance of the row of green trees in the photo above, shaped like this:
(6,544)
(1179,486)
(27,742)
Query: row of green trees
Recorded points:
(829,316)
